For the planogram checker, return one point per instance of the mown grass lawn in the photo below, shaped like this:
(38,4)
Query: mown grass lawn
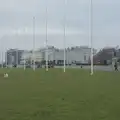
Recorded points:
(54,95)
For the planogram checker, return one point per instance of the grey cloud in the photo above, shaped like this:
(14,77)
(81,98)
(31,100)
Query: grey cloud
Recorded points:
(25,41)
(17,15)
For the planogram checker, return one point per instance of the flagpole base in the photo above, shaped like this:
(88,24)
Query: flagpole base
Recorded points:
(91,73)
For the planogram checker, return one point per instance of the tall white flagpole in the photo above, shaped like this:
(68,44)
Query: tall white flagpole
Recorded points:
(6,58)
(91,34)
(46,37)
(24,61)
(17,57)
(34,43)
(17,33)
(65,2)
(11,59)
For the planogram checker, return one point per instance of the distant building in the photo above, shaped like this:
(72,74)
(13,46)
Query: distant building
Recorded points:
(28,56)
(106,55)
(13,56)
(75,54)
(78,54)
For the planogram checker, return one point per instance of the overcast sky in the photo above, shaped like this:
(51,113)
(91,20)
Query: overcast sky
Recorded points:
(16,23)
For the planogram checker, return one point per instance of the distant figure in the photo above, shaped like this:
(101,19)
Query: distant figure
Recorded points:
(116,66)
(5,75)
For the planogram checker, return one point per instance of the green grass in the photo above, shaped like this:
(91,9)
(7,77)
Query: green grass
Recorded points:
(54,95)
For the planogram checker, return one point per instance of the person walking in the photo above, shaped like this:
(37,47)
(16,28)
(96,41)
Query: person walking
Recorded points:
(116,66)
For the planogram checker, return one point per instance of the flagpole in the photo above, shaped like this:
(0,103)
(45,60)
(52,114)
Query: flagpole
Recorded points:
(91,34)
(1,57)
(17,33)
(24,53)
(10,59)
(17,58)
(34,43)
(46,37)
(6,58)
(65,2)
(24,61)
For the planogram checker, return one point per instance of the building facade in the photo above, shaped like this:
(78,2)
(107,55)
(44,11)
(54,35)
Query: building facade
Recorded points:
(29,57)
(13,56)
(106,56)
(73,55)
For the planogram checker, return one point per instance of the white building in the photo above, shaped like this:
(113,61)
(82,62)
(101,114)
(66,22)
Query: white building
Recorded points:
(74,54)
(29,56)
(79,54)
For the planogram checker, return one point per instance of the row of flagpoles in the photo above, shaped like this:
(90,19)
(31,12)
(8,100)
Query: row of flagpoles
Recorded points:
(64,39)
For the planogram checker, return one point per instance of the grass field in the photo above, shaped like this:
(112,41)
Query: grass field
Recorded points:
(54,95)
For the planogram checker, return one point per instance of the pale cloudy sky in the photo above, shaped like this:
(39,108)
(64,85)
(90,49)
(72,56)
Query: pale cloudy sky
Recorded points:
(16,23)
